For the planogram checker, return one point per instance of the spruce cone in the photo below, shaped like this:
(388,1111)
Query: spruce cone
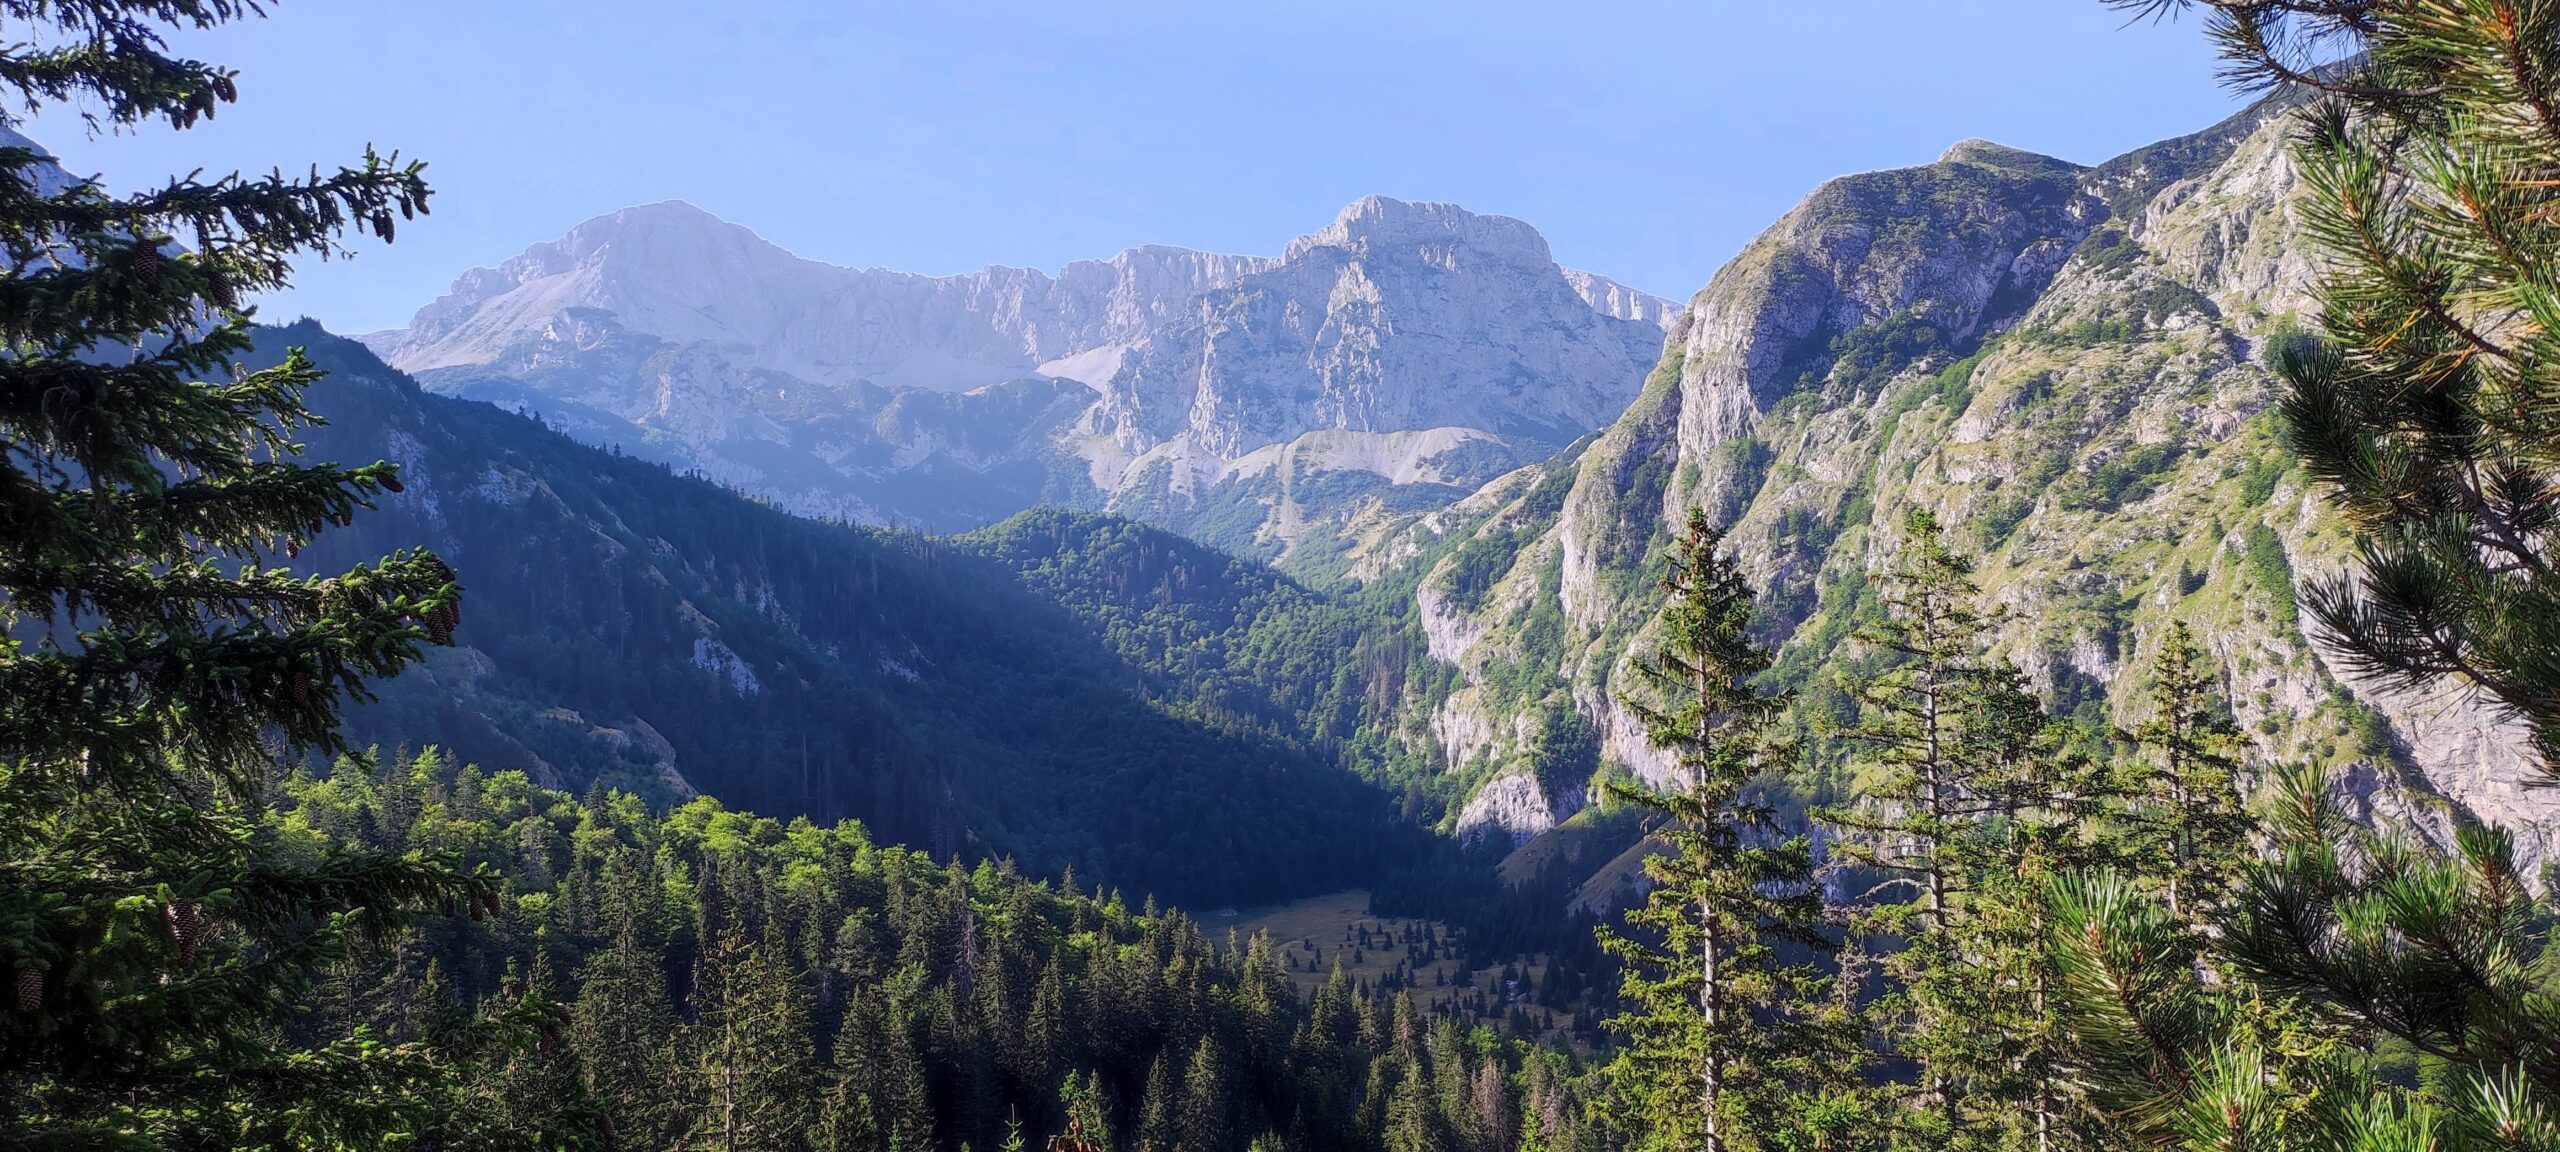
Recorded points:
(297,684)
(441,621)
(146,264)
(30,988)
(392,484)
(186,926)
(217,288)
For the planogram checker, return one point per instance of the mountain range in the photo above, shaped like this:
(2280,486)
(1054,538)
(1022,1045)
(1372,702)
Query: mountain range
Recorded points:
(1396,359)
(1468,456)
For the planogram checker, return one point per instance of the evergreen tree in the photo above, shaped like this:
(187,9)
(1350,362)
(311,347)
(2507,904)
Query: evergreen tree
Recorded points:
(1962,789)
(1715,1019)
(154,658)
(1413,1120)
(2188,824)
(1159,1124)
(2175,1054)
(2262,1035)
(905,1098)
(1088,1124)
(2428,412)
(1203,1125)
(527,1093)
(755,1076)
(846,1122)
(622,1027)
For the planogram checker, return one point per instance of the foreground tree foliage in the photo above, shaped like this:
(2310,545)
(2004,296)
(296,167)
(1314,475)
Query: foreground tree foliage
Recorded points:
(2264,1036)
(157,660)
(2365,992)
(2432,411)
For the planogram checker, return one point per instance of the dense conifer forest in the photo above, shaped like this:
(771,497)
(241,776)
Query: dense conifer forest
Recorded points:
(714,978)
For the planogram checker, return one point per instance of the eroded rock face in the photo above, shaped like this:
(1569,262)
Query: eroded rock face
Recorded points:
(1513,805)
(2066,365)
(1399,358)
(1397,317)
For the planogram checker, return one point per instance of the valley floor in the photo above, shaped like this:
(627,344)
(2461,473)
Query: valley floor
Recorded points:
(1314,934)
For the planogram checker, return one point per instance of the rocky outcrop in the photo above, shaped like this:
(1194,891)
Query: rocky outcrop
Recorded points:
(2066,365)
(1513,805)
(1397,317)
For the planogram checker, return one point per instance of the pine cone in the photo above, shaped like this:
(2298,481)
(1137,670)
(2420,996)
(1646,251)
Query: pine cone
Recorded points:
(217,288)
(30,988)
(297,684)
(146,264)
(391,483)
(186,926)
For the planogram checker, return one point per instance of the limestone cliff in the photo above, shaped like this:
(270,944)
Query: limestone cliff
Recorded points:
(2067,365)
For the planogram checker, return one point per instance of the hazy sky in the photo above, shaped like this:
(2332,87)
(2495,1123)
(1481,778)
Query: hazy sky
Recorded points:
(1648,141)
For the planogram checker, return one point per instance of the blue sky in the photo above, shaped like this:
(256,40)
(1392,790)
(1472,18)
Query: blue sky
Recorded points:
(1648,141)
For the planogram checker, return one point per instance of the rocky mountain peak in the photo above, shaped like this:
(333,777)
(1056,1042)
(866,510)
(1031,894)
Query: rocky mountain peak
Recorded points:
(1993,155)
(1381,225)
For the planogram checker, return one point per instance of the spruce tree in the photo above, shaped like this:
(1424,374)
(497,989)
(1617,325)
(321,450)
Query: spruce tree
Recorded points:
(1159,1121)
(1413,1122)
(1088,1124)
(755,1080)
(1963,796)
(1203,1123)
(846,1121)
(156,660)
(2188,827)
(622,1027)
(527,1092)
(1716,1017)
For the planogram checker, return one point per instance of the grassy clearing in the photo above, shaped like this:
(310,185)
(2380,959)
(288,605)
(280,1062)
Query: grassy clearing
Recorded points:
(1420,956)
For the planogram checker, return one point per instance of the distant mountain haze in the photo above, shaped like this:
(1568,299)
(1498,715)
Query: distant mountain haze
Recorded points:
(1401,356)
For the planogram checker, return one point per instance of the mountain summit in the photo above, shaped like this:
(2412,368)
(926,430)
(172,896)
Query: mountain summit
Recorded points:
(673,273)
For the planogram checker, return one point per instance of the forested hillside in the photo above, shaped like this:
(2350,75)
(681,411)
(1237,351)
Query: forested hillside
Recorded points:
(650,631)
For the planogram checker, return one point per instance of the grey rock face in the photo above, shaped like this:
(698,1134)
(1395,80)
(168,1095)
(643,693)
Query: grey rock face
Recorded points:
(680,275)
(1397,317)
(2065,364)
